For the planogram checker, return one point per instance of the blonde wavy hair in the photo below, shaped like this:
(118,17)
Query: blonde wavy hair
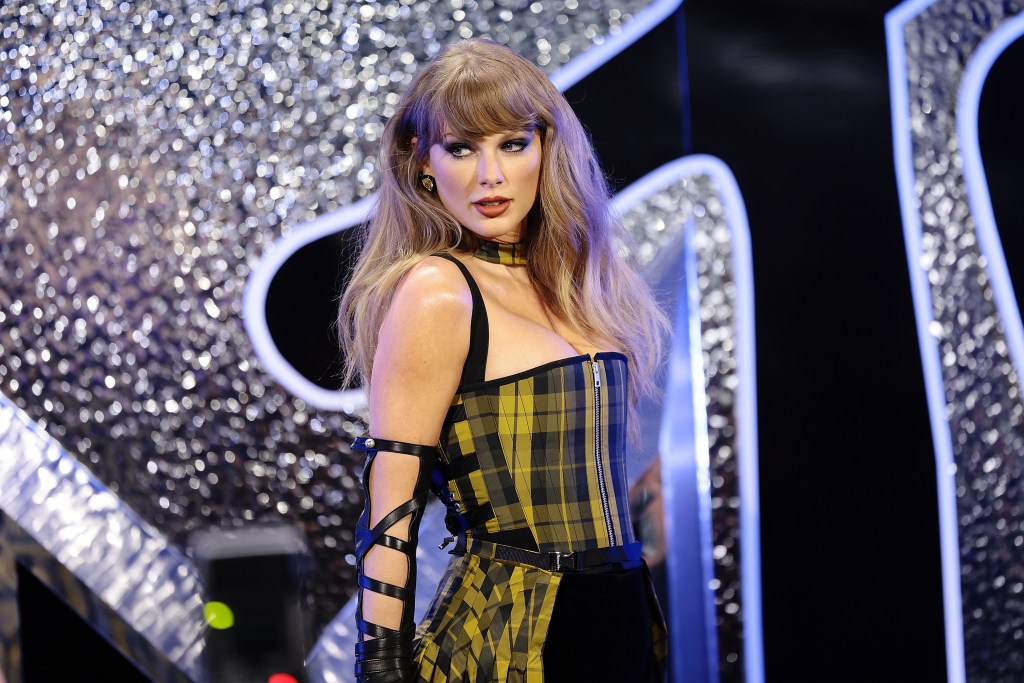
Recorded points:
(472,89)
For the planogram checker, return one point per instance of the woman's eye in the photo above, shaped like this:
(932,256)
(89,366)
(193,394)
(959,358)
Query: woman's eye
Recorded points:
(458,149)
(517,145)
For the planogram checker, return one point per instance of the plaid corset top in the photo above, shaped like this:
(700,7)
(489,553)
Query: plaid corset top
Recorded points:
(536,460)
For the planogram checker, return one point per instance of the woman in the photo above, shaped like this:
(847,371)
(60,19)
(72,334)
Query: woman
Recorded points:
(492,321)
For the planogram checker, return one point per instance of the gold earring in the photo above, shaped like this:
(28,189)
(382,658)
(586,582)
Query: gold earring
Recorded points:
(427,181)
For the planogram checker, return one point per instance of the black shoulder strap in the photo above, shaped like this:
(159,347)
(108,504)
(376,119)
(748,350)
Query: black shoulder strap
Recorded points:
(479,336)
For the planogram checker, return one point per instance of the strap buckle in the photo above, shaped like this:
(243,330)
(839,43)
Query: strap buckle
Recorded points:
(561,562)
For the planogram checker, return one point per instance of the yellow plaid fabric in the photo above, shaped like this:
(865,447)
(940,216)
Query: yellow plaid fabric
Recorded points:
(546,452)
(488,622)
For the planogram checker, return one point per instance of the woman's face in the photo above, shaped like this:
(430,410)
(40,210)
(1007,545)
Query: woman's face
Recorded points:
(488,184)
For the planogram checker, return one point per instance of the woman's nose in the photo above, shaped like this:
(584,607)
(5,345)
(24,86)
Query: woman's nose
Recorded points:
(489,170)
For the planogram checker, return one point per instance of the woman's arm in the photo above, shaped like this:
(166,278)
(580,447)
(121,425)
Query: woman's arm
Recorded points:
(416,370)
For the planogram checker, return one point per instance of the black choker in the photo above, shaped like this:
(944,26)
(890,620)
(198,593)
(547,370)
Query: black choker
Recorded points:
(504,253)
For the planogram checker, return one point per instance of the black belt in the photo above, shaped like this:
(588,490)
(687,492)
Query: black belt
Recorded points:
(575,561)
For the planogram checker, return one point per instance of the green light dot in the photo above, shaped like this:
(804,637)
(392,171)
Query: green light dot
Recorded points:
(218,615)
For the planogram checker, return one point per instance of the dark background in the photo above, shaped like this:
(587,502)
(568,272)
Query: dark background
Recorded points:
(794,97)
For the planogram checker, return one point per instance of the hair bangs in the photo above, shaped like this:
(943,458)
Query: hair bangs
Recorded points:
(473,106)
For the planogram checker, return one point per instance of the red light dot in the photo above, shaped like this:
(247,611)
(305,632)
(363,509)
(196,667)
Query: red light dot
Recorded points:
(282,678)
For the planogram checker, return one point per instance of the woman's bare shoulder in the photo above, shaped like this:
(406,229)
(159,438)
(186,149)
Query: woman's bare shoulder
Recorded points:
(421,350)
(436,286)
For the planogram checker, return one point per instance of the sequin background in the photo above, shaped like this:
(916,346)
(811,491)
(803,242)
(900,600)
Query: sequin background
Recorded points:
(982,387)
(151,153)
(655,223)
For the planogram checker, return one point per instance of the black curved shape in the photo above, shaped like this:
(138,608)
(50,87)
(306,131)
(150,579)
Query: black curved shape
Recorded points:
(1001,142)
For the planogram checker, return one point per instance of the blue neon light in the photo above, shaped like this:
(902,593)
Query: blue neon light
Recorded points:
(686,489)
(254,309)
(944,468)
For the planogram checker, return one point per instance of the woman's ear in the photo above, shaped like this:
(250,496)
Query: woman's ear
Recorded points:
(426,163)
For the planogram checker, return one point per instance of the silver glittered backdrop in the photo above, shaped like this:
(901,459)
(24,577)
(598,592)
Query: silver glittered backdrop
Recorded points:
(150,152)
(127,563)
(981,386)
(656,223)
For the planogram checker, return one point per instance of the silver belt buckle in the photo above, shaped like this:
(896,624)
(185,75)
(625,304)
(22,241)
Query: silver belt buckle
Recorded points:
(561,562)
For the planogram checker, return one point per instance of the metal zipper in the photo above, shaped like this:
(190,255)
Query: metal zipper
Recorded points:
(597,453)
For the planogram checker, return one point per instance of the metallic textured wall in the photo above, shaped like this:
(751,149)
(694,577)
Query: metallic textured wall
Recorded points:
(977,409)
(79,527)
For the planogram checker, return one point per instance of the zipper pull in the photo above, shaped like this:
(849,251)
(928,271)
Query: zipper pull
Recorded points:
(597,375)
(445,542)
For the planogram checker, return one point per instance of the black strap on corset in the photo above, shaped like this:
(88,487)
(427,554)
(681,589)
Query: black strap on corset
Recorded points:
(479,335)
(387,655)
(578,561)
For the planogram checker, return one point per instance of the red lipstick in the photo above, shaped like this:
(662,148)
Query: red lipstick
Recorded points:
(492,207)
